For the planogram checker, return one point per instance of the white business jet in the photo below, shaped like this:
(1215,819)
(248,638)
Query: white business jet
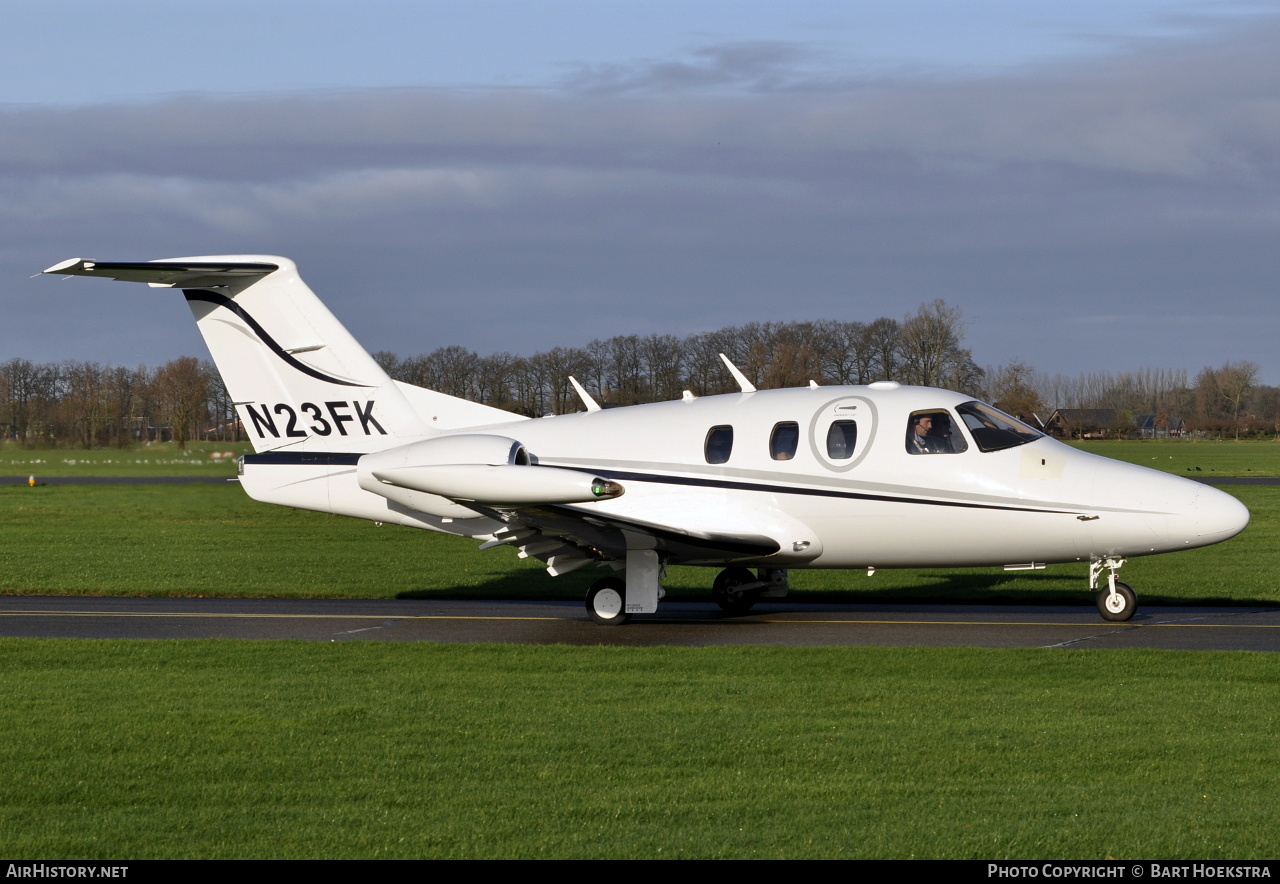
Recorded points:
(867,477)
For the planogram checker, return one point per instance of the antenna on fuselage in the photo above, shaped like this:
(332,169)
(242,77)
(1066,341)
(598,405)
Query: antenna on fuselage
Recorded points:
(743,383)
(592,405)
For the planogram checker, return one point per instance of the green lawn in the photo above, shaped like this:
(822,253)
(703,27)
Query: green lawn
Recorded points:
(212,540)
(1194,457)
(191,749)
(161,459)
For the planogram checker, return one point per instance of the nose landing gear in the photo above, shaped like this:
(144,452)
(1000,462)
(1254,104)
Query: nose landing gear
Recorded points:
(1116,601)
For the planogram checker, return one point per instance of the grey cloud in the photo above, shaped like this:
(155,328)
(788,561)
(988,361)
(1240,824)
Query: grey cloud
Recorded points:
(1142,187)
(750,66)
(1189,110)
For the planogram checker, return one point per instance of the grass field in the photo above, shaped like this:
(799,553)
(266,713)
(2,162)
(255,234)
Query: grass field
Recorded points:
(212,540)
(1194,457)
(278,749)
(161,459)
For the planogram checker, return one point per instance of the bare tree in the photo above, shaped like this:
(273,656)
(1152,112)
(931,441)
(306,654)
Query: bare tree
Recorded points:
(389,362)
(841,348)
(85,400)
(29,394)
(1012,389)
(882,350)
(929,346)
(625,370)
(1223,389)
(181,390)
(496,381)
(664,365)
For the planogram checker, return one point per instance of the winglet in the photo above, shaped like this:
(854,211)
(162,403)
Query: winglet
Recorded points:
(743,383)
(592,405)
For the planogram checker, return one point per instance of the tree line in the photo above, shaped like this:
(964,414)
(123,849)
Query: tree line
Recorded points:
(924,348)
(1217,401)
(92,405)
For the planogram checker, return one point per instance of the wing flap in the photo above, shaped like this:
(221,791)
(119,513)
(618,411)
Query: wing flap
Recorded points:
(605,537)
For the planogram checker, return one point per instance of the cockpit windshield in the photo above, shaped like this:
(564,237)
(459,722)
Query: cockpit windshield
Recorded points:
(993,430)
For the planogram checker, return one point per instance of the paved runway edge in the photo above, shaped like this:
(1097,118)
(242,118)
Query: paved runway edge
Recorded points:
(678,624)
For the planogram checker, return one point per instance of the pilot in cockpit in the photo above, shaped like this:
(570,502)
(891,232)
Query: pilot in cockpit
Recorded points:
(930,433)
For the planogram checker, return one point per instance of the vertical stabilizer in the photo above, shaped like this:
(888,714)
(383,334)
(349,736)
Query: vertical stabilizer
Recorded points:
(297,376)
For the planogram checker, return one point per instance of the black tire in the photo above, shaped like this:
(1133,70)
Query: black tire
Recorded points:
(1124,606)
(726,593)
(607,601)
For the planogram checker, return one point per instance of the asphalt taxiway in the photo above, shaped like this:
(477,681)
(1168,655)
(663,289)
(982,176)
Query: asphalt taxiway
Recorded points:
(678,623)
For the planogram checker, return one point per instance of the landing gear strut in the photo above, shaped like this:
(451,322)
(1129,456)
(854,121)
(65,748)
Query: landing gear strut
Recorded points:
(611,600)
(1116,601)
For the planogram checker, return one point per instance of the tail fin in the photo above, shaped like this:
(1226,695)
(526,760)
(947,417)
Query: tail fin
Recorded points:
(297,376)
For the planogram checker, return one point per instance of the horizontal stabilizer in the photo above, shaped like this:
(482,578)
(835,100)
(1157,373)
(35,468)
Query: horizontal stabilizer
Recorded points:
(169,274)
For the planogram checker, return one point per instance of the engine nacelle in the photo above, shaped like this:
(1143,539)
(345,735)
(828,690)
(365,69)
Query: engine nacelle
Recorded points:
(440,476)
(512,485)
(465,448)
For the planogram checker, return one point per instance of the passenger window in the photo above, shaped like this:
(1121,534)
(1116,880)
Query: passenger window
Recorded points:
(784,440)
(719,444)
(842,436)
(931,432)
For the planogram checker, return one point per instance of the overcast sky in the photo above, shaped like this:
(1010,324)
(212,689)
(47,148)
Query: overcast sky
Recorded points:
(1094,184)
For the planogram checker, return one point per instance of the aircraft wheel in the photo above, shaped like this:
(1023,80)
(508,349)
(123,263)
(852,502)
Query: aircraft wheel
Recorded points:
(1119,607)
(726,593)
(607,601)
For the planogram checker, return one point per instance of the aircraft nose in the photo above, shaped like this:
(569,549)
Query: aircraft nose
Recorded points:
(1143,511)
(1218,515)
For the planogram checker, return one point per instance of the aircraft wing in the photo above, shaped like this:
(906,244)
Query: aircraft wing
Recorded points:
(569,537)
(568,514)
(168,274)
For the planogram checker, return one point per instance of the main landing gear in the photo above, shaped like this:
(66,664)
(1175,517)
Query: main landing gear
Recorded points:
(1116,601)
(736,590)
(611,601)
(607,601)
(733,590)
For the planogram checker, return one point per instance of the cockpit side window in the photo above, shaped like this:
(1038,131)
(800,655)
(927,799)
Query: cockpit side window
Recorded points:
(932,432)
(842,438)
(993,430)
(719,444)
(784,440)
